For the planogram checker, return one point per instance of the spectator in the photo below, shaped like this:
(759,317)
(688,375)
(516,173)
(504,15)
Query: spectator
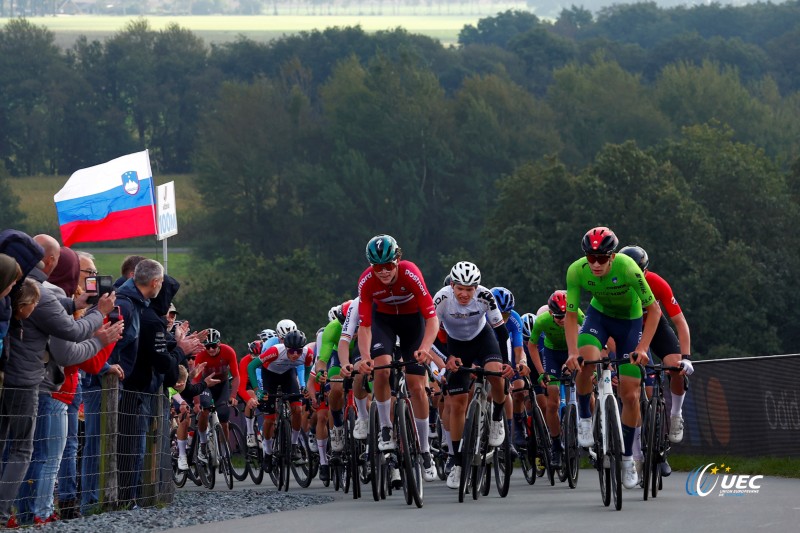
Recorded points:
(36,496)
(128,268)
(134,297)
(10,273)
(25,371)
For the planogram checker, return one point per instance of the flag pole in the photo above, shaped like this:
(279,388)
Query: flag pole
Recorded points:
(166,260)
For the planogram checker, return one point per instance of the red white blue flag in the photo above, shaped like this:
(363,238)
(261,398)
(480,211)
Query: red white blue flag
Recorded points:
(111,201)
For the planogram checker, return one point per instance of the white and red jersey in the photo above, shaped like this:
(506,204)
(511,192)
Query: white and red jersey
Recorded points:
(276,359)
(406,296)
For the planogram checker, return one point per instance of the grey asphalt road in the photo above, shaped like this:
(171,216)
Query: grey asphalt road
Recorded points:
(776,507)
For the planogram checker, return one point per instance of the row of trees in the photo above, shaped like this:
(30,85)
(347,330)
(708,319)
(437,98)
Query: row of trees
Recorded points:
(306,147)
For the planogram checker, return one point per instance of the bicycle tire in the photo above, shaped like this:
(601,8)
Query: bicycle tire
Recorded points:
(603,471)
(662,445)
(527,457)
(544,443)
(302,470)
(409,454)
(353,452)
(503,465)
(205,471)
(286,456)
(572,451)
(255,462)
(468,447)
(375,456)
(224,456)
(479,483)
(178,476)
(649,448)
(238,449)
(615,451)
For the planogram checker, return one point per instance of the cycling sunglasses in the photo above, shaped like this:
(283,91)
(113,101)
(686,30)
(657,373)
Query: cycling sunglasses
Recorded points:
(598,258)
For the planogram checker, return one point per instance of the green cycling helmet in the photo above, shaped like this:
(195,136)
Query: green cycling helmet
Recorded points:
(382,249)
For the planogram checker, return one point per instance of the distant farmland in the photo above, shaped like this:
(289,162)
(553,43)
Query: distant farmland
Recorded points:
(219,28)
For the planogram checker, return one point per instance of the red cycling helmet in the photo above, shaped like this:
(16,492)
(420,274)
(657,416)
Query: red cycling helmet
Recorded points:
(600,241)
(557,303)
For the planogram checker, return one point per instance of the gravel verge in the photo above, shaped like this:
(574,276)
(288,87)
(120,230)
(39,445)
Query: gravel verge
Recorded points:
(190,508)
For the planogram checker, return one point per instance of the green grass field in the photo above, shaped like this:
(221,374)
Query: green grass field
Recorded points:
(219,28)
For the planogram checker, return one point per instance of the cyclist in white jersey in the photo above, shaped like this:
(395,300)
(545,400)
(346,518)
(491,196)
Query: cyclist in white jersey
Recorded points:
(467,311)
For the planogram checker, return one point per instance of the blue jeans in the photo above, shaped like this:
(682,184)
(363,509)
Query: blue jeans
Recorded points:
(67,472)
(90,463)
(36,496)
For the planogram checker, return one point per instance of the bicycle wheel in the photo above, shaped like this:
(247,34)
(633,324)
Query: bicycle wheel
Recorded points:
(649,445)
(572,458)
(224,456)
(255,462)
(503,465)
(301,468)
(206,472)
(286,456)
(603,471)
(478,475)
(178,476)
(353,453)
(238,449)
(469,445)
(408,451)
(375,456)
(614,451)
(661,443)
(543,443)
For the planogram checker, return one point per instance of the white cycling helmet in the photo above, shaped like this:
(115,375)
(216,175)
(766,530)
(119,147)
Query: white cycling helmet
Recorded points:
(465,273)
(284,327)
(527,324)
(267,334)
(332,313)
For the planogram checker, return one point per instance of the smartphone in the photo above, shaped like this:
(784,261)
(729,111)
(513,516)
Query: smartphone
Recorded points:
(91,284)
(115,315)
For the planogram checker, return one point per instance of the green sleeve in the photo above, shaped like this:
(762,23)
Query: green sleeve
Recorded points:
(251,372)
(330,341)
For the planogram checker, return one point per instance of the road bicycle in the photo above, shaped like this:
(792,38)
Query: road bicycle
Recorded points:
(477,454)
(407,457)
(282,452)
(538,444)
(217,453)
(655,432)
(568,411)
(607,429)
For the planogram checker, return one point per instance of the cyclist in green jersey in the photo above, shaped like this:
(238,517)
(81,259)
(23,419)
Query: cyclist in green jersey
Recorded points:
(619,293)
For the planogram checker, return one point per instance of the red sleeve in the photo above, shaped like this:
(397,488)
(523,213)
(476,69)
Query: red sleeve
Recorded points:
(442,336)
(230,356)
(663,293)
(243,372)
(269,356)
(418,287)
(365,297)
(309,356)
(95,364)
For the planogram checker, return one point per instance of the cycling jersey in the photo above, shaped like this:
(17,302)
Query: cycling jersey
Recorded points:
(554,336)
(514,327)
(621,293)
(330,341)
(219,366)
(276,360)
(663,293)
(351,322)
(465,322)
(269,343)
(406,296)
(243,383)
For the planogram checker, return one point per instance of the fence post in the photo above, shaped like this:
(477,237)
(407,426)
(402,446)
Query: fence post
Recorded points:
(109,411)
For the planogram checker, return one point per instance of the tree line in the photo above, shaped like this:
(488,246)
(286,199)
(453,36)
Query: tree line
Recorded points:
(503,150)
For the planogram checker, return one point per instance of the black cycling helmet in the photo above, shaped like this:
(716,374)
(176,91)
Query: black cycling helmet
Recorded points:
(600,241)
(294,340)
(447,280)
(638,254)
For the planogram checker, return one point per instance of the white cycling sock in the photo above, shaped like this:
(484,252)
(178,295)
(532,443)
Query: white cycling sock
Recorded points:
(637,444)
(447,439)
(268,446)
(295,436)
(363,411)
(385,413)
(422,433)
(322,444)
(203,436)
(182,447)
(677,404)
(249,421)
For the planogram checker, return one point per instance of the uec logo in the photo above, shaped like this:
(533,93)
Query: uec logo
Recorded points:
(701,482)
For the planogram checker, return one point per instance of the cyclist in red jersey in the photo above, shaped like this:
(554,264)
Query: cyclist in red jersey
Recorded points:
(246,392)
(672,350)
(220,360)
(395,304)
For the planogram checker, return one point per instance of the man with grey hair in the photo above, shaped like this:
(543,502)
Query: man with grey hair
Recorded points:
(133,297)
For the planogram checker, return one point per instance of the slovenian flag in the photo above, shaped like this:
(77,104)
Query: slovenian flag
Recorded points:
(111,201)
